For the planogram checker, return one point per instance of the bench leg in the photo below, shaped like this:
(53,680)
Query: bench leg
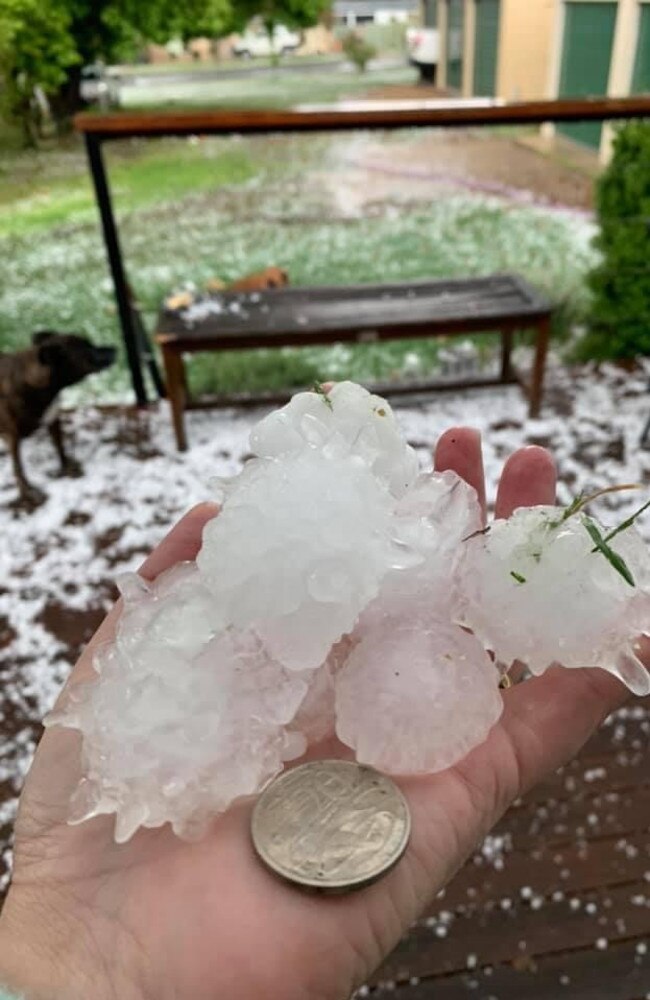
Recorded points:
(506,352)
(539,366)
(176,382)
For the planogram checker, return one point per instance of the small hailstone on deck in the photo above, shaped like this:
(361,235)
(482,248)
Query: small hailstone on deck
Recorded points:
(536,588)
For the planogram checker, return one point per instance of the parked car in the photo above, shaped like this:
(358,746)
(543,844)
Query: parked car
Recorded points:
(93,84)
(257,43)
(99,84)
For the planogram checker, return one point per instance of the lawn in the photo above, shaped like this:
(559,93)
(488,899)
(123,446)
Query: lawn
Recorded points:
(281,88)
(191,210)
(147,174)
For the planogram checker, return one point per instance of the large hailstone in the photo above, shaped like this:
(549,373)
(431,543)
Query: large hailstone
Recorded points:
(536,589)
(415,697)
(224,669)
(326,598)
(347,421)
(183,718)
(300,548)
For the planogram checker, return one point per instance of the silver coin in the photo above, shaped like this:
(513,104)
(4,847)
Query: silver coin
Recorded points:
(331,825)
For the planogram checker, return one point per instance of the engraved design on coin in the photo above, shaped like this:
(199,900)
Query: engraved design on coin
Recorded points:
(332,825)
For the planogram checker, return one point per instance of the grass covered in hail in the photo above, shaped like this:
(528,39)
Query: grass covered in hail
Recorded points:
(190,211)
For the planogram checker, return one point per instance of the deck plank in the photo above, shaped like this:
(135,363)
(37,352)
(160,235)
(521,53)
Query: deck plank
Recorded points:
(494,935)
(618,973)
(558,904)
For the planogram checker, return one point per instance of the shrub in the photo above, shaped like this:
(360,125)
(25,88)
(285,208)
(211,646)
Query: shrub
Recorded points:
(619,319)
(358,50)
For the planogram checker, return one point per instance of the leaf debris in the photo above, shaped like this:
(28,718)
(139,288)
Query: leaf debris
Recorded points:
(320,391)
(600,545)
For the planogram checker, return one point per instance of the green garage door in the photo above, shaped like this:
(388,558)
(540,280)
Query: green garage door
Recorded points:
(641,77)
(431,13)
(586,55)
(487,46)
(455,44)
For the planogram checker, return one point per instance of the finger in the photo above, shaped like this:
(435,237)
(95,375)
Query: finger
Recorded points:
(183,541)
(528,479)
(459,449)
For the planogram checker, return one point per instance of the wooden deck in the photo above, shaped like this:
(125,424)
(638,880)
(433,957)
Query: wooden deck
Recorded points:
(562,907)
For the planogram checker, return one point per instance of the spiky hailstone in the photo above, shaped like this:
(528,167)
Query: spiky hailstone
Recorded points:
(347,421)
(223,669)
(183,718)
(537,588)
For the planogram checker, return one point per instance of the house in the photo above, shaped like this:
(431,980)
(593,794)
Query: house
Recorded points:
(601,47)
(355,12)
(495,48)
(528,49)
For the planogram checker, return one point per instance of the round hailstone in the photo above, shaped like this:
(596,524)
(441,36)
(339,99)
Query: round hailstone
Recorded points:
(414,699)
(182,720)
(346,421)
(536,589)
(299,549)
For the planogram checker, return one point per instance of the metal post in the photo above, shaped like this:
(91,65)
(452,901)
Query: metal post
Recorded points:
(145,346)
(111,239)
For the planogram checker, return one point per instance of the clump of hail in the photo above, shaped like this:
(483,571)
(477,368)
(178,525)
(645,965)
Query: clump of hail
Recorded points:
(327,600)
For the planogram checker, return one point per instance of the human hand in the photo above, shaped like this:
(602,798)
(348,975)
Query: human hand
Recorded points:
(160,918)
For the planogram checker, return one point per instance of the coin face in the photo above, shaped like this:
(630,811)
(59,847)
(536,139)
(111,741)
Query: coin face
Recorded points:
(331,825)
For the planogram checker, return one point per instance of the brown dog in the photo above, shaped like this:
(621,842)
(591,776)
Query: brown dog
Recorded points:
(270,277)
(30,381)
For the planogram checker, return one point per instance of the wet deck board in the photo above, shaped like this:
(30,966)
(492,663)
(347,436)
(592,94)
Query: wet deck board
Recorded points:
(559,907)
(619,973)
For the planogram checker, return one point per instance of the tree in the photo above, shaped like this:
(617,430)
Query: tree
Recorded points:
(36,51)
(292,13)
(45,43)
(619,320)
(358,50)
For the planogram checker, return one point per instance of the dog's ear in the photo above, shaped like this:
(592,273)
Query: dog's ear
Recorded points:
(41,336)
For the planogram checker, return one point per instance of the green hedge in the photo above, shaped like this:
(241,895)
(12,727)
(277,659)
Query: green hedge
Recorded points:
(619,318)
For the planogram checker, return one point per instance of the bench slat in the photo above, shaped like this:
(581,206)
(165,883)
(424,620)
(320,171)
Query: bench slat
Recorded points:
(304,315)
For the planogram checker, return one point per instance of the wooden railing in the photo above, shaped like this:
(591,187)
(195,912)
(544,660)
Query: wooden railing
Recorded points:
(390,114)
(99,128)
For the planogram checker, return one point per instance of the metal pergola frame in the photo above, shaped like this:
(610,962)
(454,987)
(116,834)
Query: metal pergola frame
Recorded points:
(100,128)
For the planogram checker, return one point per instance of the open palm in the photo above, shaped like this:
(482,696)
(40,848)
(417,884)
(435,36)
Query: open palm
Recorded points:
(160,918)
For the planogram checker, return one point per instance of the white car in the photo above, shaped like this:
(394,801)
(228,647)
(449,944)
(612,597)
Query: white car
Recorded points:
(99,84)
(256,44)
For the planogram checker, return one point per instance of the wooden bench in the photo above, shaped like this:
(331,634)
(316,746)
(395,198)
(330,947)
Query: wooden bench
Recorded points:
(306,316)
